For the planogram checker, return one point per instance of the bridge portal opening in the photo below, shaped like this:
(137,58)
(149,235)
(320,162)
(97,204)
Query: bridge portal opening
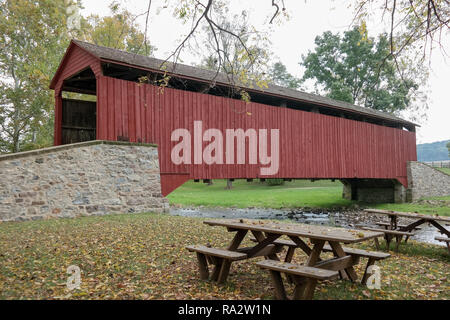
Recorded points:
(79,108)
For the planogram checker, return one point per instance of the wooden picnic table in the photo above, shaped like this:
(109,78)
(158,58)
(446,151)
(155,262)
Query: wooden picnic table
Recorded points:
(267,234)
(420,220)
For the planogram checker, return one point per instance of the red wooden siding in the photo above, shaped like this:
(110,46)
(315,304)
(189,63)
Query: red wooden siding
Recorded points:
(79,60)
(311,145)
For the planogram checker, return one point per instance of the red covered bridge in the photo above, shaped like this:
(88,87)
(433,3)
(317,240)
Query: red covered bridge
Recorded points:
(319,138)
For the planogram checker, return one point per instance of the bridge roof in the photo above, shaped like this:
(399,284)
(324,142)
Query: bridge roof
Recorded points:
(106,54)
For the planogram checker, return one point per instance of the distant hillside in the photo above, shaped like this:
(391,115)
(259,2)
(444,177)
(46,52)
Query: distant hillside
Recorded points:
(436,151)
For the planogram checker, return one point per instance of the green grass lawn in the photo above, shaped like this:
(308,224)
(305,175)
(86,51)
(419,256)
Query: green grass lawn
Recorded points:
(143,256)
(296,194)
(445,170)
(321,194)
(442,210)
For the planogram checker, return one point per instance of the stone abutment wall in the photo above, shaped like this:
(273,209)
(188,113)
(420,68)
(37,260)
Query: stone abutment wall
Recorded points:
(425,182)
(86,179)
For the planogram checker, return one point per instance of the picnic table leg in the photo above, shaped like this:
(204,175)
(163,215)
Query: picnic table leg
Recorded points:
(300,286)
(289,255)
(309,290)
(366,273)
(224,271)
(337,249)
(440,228)
(217,269)
(238,238)
(301,244)
(258,235)
(377,243)
(315,253)
(288,259)
(312,261)
(399,240)
(222,266)
(393,222)
(203,266)
(343,275)
(261,238)
(411,227)
(388,241)
(280,292)
(414,225)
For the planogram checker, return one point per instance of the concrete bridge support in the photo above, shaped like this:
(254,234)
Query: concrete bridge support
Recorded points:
(374,190)
(423,182)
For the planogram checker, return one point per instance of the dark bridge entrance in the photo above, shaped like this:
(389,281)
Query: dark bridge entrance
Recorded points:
(79,121)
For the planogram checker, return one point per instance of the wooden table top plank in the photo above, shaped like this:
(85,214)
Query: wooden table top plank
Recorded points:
(408,215)
(299,230)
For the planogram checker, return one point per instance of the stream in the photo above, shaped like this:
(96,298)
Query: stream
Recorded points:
(316,217)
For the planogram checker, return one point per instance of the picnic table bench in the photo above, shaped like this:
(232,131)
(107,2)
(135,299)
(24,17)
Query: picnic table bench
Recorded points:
(372,256)
(300,275)
(446,240)
(220,258)
(420,219)
(268,245)
(389,235)
(388,224)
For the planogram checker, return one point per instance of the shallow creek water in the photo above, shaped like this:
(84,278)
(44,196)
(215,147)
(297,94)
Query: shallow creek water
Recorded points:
(334,219)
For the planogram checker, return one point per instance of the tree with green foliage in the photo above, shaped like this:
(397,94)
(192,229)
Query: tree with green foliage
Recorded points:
(415,26)
(237,50)
(448,147)
(353,68)
(33,34)
(118,30)
(31,30)
(281,77)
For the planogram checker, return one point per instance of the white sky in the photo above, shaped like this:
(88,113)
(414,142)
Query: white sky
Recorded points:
(293,38)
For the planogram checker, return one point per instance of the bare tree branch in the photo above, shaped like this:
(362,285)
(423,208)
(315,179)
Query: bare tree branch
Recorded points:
(177,51)
(276,12)
(422,21)
(146,26)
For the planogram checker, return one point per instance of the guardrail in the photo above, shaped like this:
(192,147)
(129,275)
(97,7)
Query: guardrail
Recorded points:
(439,164)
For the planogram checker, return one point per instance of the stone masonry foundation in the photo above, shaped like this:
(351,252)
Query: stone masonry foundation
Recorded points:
(372,190)
(425,182)
(85,179)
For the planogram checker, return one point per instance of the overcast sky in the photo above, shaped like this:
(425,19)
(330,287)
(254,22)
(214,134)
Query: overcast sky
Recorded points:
(293,38)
